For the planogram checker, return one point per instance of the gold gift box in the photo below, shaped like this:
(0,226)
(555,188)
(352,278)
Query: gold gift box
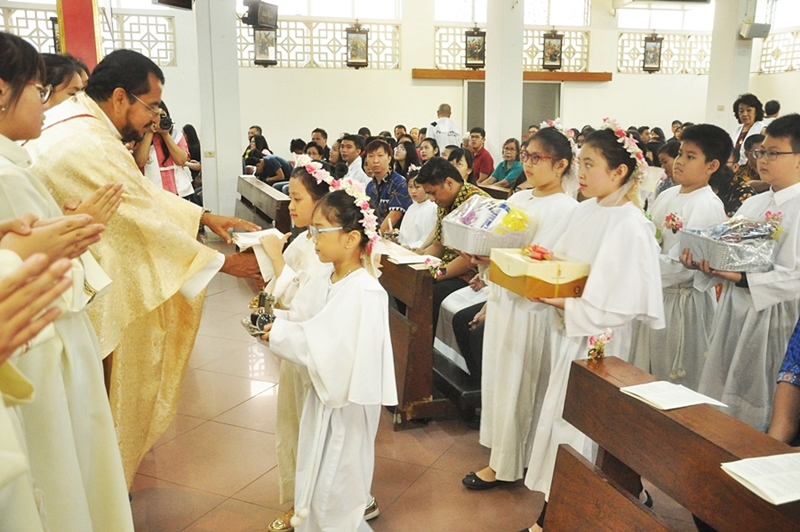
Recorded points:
(563,277)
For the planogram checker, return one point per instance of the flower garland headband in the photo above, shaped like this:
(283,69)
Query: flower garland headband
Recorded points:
(573,169)
(354,188)
(630,145)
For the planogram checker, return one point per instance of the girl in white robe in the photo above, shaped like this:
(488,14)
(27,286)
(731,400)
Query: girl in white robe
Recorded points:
(337,335)
(24,293)
(757,312)
(677,353)
(515,373)
(610,232)
(293,267)
(68,429)
(419,220)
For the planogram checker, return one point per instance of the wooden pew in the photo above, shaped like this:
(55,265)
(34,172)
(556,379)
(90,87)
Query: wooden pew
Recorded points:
(412,342)
(679,451)
(262,204)
(495,191)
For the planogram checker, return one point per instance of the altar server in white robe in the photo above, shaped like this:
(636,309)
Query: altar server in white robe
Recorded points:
(515,374)
(25,293)
(292,269)
(677,353)
(337,334)
(757,312)
(610,232)
(74,456)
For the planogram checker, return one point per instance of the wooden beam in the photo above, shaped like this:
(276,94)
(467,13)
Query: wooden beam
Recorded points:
(435,73)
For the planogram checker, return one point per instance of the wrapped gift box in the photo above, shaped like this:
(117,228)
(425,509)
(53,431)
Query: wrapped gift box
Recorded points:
(477,226)
(514,271)
(738,245)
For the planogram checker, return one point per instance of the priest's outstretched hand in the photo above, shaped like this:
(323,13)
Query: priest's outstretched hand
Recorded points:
(222,224)
(24,294)
(242,265)
(100,204)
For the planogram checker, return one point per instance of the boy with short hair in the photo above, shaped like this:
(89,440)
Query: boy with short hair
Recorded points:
(420,218)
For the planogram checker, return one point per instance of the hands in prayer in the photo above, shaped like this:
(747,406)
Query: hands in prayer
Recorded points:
(689,264)
(100,204)
(64,237)
(24,294)
(222,224)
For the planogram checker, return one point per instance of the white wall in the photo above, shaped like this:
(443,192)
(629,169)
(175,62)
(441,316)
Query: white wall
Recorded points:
(781,87)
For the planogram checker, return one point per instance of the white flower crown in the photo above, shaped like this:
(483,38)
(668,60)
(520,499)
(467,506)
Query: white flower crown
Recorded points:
(354,188)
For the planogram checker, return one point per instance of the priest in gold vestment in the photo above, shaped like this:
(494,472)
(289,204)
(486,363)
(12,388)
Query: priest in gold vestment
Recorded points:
(150,317)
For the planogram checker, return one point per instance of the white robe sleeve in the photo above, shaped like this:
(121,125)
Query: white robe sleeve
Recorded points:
(582,319)
(200,280)
(349,360)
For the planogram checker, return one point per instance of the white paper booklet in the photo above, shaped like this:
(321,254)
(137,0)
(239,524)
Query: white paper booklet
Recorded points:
(400,255)
(667,396)
(776,479)
(250,240)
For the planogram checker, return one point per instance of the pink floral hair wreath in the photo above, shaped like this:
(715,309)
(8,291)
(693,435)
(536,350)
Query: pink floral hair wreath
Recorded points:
(630,145)
(353,188)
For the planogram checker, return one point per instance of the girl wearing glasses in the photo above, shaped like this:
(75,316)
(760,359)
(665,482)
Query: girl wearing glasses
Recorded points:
(71,442)
(758,311)
(514,366)
(337,334)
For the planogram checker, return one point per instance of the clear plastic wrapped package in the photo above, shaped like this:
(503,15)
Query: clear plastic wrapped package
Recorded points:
(737,245)
(480,224)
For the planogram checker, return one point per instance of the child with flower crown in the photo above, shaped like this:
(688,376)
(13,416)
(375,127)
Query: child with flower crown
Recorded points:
(677,352)
(348,370)
(610,232)
(514,372)
(758,311)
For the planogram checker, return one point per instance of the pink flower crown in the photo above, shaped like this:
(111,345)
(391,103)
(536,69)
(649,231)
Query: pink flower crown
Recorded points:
(354,188)
(630,145)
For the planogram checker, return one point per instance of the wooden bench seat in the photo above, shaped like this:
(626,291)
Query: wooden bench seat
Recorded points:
(262,204)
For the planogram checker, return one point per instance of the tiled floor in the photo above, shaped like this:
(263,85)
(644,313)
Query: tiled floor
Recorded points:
(215,468)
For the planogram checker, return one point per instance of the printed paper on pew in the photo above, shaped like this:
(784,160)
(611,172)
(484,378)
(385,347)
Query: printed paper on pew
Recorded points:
(776,479)
(400,255)
(667,396)
(250,240)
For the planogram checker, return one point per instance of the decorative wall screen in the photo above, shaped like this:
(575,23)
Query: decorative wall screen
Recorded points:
(781,52)
(319,44)
(680,54)
(153,36)
(449,48)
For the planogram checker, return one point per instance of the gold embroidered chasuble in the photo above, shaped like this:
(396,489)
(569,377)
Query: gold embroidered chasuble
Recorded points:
(149,249)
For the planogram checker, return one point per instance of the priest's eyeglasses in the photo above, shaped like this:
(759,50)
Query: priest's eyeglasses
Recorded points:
(534,158)
(44,92)
(154,112)
(771,155)
(315,232)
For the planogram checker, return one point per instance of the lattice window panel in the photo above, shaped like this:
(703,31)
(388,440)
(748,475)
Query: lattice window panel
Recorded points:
(680,53)
(449,51)
(150,35)
(33,25)
(574,51)
(781,53)
(153,36)
(319,44)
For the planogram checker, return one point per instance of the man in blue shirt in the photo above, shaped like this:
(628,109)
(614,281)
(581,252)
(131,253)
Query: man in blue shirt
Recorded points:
(387,191)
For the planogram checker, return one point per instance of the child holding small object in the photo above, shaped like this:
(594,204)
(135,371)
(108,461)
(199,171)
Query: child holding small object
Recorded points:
(609,232)
(677,352)
(758,311)
(292,267)
(514,370)
(420,218)
(349,370)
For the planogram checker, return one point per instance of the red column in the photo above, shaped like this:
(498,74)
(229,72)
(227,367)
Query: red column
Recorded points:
(79,28)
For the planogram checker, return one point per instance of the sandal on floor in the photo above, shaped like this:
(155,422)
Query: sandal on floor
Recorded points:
(282,523)
(474,482)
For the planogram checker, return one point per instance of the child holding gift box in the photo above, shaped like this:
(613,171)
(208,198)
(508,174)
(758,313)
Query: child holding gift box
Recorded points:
(515,373)
(758,311)
(677,352)
(609,232)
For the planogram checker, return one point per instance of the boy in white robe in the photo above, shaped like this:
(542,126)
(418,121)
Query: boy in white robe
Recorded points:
(420,218)
(677,352)
(337,335)
(758,311)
